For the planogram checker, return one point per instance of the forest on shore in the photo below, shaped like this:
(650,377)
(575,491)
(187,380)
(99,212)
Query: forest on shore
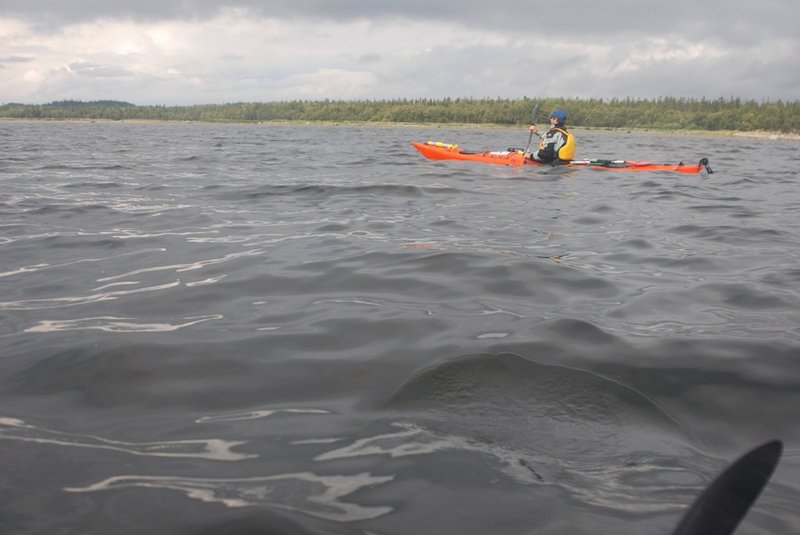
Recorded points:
(666,113)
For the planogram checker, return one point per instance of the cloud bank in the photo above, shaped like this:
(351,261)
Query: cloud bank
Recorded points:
(210,51)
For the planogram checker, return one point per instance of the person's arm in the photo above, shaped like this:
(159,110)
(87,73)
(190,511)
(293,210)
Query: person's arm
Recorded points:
(533,130)
(548,152)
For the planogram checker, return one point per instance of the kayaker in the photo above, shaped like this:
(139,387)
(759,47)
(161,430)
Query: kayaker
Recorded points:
(557,145)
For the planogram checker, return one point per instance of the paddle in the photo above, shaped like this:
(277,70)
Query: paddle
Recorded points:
(721,507)
(533,121)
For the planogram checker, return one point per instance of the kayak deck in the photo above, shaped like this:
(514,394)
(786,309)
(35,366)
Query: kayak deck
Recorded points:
(437,150)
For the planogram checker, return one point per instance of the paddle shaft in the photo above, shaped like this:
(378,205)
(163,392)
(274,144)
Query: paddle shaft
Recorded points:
(533,121)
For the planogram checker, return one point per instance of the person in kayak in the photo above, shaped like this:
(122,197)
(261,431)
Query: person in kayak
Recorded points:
(557,145)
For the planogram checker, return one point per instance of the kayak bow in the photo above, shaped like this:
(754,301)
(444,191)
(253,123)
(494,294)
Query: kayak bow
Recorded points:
(436,150)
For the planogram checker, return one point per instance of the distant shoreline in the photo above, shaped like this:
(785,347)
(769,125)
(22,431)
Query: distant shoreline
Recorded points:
(753,134)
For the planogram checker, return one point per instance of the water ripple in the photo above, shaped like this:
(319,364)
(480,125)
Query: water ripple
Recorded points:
(211,449)
(115,325)
(305,492)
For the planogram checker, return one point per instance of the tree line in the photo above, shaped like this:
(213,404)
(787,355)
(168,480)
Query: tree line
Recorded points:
(666,113)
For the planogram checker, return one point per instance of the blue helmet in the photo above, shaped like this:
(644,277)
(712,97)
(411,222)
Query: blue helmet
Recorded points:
(559,114)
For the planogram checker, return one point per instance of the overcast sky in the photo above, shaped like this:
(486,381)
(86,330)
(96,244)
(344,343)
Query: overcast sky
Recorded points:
(216,51)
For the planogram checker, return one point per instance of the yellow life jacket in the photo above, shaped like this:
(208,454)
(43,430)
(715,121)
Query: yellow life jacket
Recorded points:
(567,152)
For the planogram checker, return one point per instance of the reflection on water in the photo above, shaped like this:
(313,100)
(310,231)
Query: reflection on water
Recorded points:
(109,324)
(211,449)
(307,493)
(255,415)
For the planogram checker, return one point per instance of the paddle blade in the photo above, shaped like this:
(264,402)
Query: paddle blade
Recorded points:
(721,507)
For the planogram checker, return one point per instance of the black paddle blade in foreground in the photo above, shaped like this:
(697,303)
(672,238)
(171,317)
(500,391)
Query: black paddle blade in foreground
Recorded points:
(721,507)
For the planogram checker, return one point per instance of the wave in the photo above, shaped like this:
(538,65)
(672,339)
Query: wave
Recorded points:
(570,410)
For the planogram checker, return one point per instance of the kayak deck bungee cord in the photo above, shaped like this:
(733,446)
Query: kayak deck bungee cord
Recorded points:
(437,150)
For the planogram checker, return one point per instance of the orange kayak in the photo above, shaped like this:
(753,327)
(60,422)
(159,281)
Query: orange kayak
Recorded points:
(436,150)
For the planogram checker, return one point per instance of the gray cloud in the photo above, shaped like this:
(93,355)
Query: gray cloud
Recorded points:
(510,48)
(94,70)
(16,59)
(732,21)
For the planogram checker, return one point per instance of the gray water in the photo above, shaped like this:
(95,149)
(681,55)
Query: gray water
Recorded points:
(313,329)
